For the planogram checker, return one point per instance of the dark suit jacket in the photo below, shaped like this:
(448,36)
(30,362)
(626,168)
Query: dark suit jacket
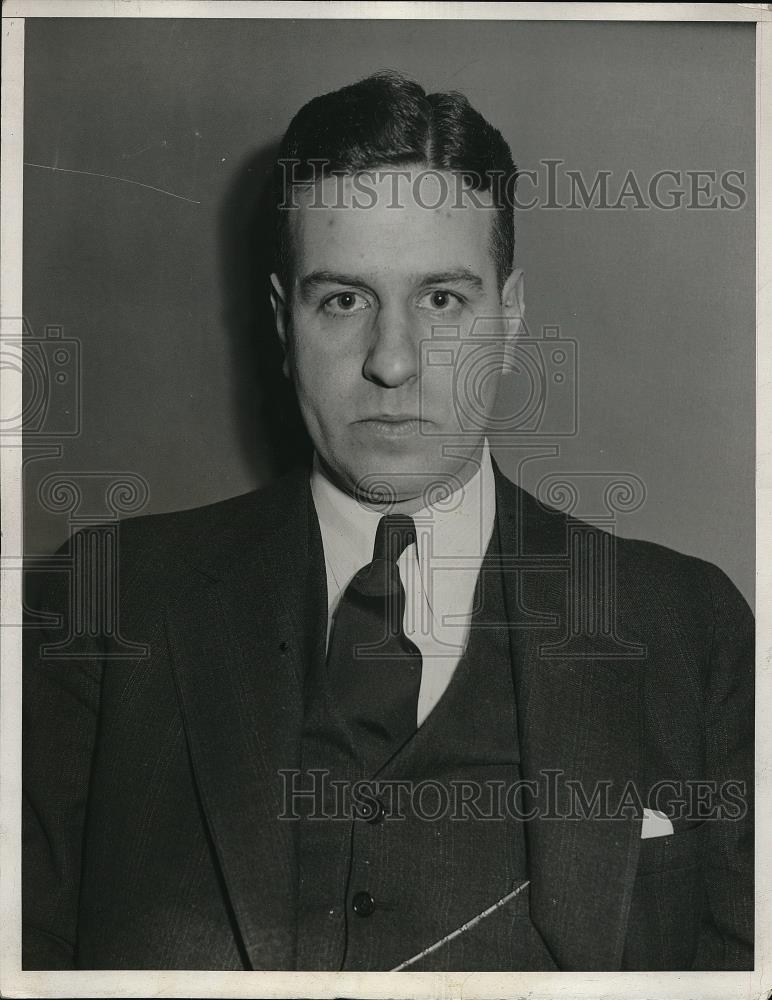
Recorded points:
(152,790)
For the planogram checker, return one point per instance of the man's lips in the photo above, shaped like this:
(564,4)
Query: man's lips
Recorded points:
(391,418)
(393,424)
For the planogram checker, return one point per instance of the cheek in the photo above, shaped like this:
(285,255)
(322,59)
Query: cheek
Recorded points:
(438,384)
(316,352)
(462,394)
(325,369)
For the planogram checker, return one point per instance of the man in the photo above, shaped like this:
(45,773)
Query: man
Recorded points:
(326,655)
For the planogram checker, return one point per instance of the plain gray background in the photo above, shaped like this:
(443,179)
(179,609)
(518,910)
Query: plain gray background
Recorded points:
(165,296)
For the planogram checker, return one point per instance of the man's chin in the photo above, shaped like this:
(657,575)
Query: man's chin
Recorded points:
(421,479)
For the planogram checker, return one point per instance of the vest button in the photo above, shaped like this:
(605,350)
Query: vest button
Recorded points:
(371,811)
(363,904)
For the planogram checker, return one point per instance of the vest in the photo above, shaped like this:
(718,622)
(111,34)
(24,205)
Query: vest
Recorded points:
(393,862)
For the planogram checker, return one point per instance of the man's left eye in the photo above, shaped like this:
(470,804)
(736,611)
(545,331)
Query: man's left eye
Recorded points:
(439,300)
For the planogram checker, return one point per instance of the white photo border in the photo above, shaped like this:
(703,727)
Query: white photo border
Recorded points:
(449,986)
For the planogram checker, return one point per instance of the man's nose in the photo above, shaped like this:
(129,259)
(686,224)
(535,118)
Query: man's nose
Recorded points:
(393,356)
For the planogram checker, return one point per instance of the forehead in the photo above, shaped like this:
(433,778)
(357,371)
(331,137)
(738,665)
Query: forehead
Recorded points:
(394,220)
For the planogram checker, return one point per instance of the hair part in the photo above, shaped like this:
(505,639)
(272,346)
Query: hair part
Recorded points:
(387,120)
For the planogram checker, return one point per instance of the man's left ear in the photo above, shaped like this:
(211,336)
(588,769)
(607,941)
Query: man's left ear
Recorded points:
(513,311)
(513,297)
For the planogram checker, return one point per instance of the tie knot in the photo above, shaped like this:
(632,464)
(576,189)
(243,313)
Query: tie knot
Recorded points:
(395,532)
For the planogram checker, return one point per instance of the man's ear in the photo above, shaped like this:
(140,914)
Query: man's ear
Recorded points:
(513,297)
(281,315)
(513,310)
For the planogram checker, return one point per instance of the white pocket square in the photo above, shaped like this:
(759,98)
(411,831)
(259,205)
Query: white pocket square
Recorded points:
(655,824)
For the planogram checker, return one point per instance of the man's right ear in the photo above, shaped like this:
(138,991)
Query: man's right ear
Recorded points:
(281,315)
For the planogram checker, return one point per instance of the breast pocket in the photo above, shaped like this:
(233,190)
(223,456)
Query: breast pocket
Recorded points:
(681,849)
(668,901)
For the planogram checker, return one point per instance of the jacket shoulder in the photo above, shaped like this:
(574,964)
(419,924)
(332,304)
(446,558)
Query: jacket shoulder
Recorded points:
(160,550)
(643,568)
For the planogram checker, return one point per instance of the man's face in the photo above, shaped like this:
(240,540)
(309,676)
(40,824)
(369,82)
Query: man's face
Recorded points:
(395,330)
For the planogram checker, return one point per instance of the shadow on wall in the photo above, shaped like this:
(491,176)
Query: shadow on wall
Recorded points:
(270,429)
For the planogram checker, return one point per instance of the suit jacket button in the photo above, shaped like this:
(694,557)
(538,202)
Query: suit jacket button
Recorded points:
(363,904)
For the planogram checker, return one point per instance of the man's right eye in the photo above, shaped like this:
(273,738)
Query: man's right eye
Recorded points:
(345,302)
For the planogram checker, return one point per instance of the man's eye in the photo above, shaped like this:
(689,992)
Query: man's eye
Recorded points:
(346,302)
(440,300)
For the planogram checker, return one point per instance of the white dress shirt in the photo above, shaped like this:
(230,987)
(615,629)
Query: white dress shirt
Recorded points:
(439,573)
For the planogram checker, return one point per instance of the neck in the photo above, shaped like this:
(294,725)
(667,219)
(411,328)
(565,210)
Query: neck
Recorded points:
(430,494)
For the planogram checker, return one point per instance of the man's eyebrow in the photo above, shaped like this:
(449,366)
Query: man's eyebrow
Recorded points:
(313,278)
(459,275)
(456,275)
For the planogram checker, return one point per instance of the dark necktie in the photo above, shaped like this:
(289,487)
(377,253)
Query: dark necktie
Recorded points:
(374,669)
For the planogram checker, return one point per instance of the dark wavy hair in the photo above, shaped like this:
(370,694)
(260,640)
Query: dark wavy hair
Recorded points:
(388,120)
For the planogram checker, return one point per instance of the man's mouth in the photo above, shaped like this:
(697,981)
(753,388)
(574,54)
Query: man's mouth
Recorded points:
(393,424)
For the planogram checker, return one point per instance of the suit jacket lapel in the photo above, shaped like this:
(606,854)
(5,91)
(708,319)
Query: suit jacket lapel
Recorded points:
(581,719)
(240,646)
